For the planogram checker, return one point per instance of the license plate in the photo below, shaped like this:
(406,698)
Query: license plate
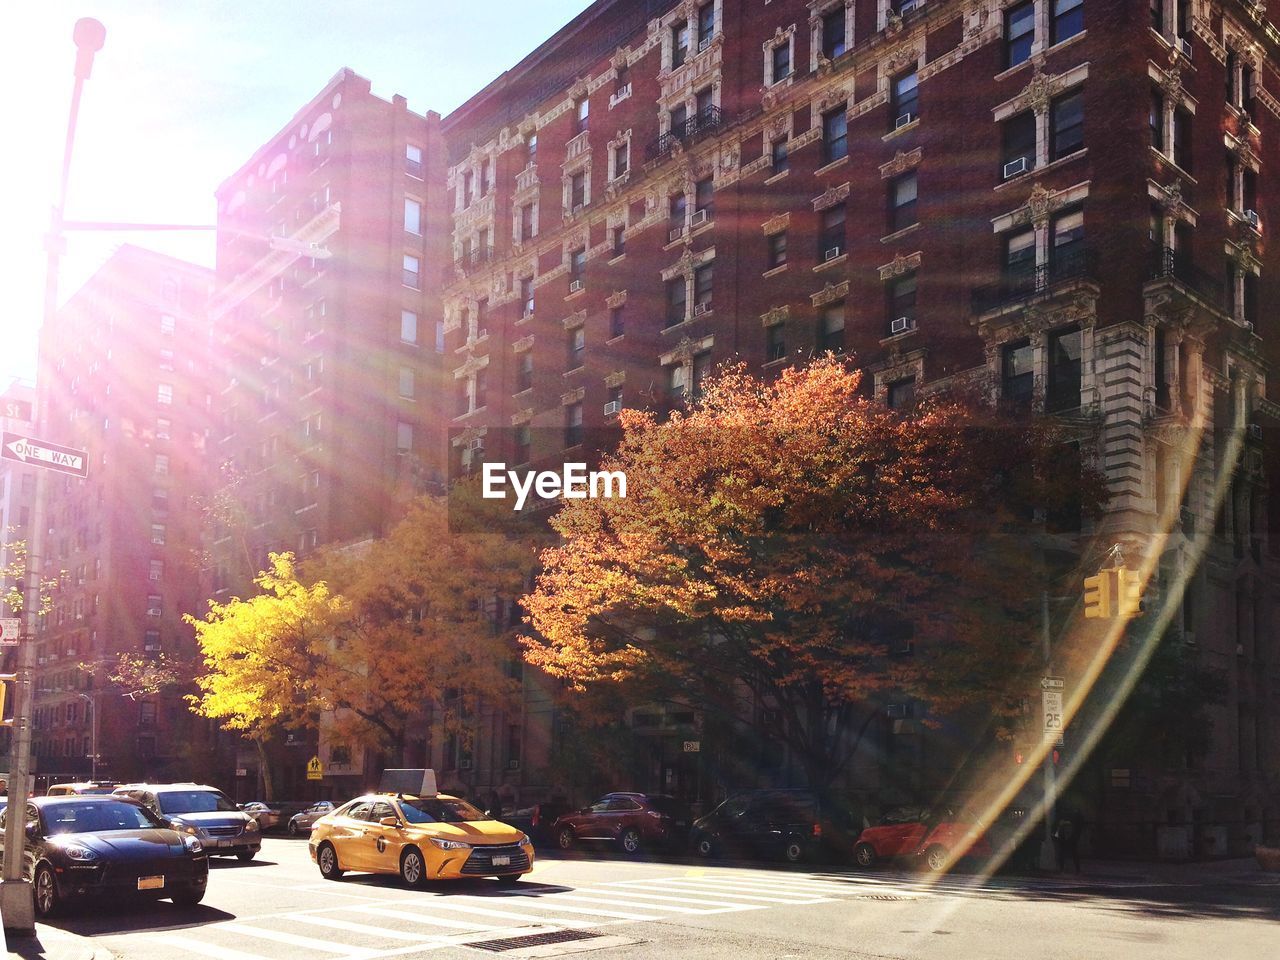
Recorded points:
(151,883)
(502,861)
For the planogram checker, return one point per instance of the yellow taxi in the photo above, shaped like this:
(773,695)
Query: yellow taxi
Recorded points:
(435,837)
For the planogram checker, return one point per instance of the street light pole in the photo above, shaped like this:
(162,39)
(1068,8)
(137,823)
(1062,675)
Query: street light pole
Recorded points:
(16,906)
(93,731)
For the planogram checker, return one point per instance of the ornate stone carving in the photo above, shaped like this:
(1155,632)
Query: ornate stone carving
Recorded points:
(831,196)
(521,417)
(1039,205)
(615,299)
(616,379)
(575,319)
(1037,92)
(901,163)
(774,224)
(900,265)
(523,344)
(572,396)
(830,293)
(771,318)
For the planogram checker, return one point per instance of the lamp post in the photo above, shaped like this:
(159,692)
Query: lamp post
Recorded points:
(93,732)
(16,904)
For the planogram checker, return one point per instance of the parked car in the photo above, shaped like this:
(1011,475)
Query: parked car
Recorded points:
(794,825)
(537,820)
(303,821)
(932,835)
(81,847)
(631,820)
(88,788)
(200,811)
(266,816)
(421,838)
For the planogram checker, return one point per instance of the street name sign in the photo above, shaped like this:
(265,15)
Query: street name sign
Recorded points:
(42,453)
(10,630)
(16,409)
(1052,683)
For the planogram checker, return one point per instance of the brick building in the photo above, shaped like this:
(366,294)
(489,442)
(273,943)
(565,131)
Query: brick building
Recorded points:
(326,333)
(1062,200)
(128,383)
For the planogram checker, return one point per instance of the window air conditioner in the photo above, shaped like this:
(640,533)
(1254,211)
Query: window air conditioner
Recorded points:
(1184,47)
(900,325)
(704,42)
(152,647)
(903,120)
(832,253)
(1253,431)
(513,764)
(700,217)
(897,711)
(1248,326)
(1251,216)
(675,234)
(464,763)
(907,7)
(1015,167)
(700,308)
(612,407)
(577,209)
(575,286)
(476,444)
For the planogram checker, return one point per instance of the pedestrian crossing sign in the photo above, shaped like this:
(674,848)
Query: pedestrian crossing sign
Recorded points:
(315,769)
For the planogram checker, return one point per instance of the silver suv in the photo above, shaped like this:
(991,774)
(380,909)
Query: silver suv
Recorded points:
(200,811)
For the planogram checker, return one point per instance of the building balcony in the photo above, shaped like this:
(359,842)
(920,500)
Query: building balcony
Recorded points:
(701,124)
(1042,281)
(473,260)
(1167,264)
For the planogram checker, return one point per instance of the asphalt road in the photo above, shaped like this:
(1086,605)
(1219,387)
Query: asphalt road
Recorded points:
(279,907)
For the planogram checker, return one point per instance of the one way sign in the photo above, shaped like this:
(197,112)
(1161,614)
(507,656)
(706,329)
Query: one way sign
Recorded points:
(41,453)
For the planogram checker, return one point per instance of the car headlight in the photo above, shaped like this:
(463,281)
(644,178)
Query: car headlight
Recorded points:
(76,851)
(187,828)
(192,844)
(251,826)
(524,840)
(450,844)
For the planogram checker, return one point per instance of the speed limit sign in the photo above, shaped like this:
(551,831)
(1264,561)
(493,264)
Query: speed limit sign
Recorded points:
(1052,703)
(10,630)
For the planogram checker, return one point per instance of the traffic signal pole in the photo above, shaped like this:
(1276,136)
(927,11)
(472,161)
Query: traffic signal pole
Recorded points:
(1048,855)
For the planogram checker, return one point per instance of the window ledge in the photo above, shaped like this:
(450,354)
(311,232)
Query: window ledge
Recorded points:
(575,295)
(618,259)
(895,338)
(700,229)
(774,363)
(899,234)
(1010,71)
(833,165)
(1035,171)
(677,326)
(577,369)
(900,130)
(776,177)
(1166,159)
(615,339)
(774,271)
(670,244)
(831,263)
(521,393)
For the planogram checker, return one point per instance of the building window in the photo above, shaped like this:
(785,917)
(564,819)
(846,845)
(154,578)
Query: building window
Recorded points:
(576,340)
(439,336)
(480,389)
(617,322)
(524,444)
(1182,138)
(573,425)
(404,437)
(167,324)
(704,104)
(411,273)
(524,371)
(777,249)
(468,188)
(906,99)
(902,394)
(582,115)
(164,428)
(1066,256)
(412,217)
(158,534)
(482,318)
(1063,388)
(1157,15)
(835,135)
(408,326)
(676,214)
(676,301)
(164,394)
(161,464)
(702,283)
(619,245)
(1020,261)
(775,342)
(1019,33)
(778,155)
(902,304)
(578,190)
(526,222)
(831,328)
(701,369)
(1067,20)
(526,296)
(1155,118)
(1066,124)
(405,386)
(831,233)
(615,397)
(833,33)
(486,178)
(1019,135)
(679,43)
(531,150)
(1017,374)
(902,202)
(155,605)
(577,265)
(413,160)
(703,191)
(706,24)
(621,160)
(781,62)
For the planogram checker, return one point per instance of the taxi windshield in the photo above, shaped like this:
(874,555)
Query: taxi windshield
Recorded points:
(439,810)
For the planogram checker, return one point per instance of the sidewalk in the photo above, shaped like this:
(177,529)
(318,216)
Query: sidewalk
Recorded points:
(1236,869)
(50,943)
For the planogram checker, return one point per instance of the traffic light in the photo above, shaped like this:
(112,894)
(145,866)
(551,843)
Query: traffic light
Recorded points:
(1099,594)
(1129,596)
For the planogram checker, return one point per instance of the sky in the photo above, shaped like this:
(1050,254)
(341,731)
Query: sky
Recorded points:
(181,95)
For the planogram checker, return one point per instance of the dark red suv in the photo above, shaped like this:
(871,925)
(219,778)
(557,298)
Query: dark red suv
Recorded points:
(631,820)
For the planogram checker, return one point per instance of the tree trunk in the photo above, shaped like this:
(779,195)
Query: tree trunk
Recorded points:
(264,772)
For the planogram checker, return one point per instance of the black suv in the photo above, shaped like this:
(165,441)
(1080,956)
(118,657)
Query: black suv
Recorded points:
(793,825)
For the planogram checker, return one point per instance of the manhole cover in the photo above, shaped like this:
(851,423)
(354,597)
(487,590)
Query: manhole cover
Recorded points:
(533,940)
(883,896)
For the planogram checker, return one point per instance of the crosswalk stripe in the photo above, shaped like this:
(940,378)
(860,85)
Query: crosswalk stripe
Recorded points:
(749,887)
(690,886)
(544,903)
(189,946)
(781,886)
(506,914)
(684,898)
(394,914)
(361,928)
(584,898)
(293,940)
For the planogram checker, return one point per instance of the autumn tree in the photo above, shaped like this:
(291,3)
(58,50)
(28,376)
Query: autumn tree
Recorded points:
(787,538)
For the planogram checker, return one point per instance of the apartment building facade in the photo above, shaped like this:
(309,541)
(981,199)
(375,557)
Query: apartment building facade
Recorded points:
(126,357)
(1063,202)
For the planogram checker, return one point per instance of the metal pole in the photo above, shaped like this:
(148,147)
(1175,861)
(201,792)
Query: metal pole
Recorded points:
(1048,856)
(93,705)
(16,905)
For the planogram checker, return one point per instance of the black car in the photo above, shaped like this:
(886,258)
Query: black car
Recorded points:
(538,819)
(80,847)
(793,825)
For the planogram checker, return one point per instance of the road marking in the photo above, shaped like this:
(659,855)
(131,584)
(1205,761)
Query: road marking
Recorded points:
(507,914)
(190,945)
(352,927)
(692,886)
(293,940)
(610,900)
(394,914)
(630,902)
(684,898)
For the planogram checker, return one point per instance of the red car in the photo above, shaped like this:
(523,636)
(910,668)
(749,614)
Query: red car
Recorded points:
(632,820)
(937,836)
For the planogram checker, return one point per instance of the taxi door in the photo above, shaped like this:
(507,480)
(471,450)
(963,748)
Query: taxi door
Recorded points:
(347,836)
(382,844)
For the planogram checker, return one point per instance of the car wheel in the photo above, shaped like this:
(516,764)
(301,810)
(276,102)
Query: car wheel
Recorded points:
(244,856)
(793,852)
(327,859)
(565,838)
(864,855)
(412,870)
(705,847)
(509,880)
(47,899)
(630,840)
(293,828)
(188,899)
(935,858)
